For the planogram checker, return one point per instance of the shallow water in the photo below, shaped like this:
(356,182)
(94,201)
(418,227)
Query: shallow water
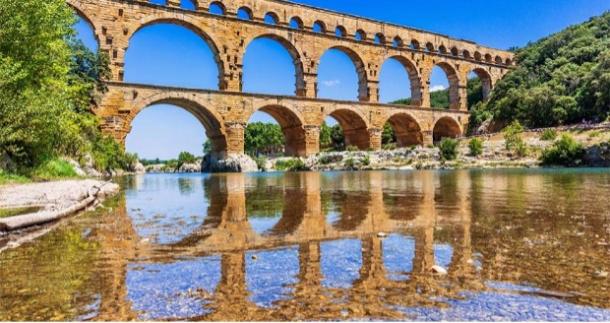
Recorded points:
(517,245)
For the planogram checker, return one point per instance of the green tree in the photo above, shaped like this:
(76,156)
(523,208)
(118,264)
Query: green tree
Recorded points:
(263,139)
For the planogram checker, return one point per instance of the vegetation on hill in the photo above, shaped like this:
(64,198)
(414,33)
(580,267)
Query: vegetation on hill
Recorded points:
(48,81)
(560,79)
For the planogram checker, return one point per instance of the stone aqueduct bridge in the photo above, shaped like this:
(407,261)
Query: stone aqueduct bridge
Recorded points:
(225,112)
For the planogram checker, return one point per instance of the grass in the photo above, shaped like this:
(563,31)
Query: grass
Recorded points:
(54,169)
(6,213)
(8,178)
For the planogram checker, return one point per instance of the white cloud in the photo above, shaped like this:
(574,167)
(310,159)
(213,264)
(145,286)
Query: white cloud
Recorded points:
(435,88)
(331,83)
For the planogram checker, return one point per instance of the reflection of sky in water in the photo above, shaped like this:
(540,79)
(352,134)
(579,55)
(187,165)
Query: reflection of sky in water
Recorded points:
(262,225)
(398,254)
(443,254)
(170,290)
(270,275)
(340,261)
(165,207)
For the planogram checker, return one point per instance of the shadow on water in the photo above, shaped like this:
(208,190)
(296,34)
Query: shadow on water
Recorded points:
(516,245)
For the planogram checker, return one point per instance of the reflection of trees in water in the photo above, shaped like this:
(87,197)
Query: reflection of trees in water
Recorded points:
(186,185)
(266,198)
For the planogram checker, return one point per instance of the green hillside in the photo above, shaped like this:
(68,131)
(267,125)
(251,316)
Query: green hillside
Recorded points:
(560,79)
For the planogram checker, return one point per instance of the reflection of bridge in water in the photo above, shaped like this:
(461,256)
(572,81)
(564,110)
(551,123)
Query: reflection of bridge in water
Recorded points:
(227,231)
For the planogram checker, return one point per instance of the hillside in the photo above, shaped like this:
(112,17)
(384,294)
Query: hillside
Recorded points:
(560,79)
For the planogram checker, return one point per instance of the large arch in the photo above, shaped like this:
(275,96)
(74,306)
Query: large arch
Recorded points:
(294,54)
(191,25)
(363,92)
(406,129)
(355,127)
(486,82)
(292,127)
(79,11)
(413,75)
(446,127)
(454,84)
(212,123)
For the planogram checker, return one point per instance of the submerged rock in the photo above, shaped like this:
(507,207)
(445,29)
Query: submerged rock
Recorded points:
(231,164)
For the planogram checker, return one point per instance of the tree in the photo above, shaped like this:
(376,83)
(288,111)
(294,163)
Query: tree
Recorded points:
(186,158)
(263,138)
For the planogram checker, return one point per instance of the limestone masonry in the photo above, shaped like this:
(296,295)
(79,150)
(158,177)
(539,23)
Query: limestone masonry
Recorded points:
(225,113)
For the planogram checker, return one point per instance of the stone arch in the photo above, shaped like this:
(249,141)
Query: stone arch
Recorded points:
(397,42)
(442,49)
(446,127)
(466,54)
(379,39)
(292,124)
(406,129)
(478,56)
(273,18)
(360,35)
(211,121)
(498,60)
(190,25)
(486,80)
(454,84)
(79,11)
(219,5)
(415,44)
(296,59)
(430,47)
(414,78)
(340,32)
(249,15)
(488,58)
(354,125)
(319,26)
(455,51)
(509,62)
(363,92)
(296,23)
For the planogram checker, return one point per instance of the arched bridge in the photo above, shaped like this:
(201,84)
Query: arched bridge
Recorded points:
(306,33)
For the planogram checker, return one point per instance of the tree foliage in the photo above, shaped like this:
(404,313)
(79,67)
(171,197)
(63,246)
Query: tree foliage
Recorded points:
(264,139)
(561,79)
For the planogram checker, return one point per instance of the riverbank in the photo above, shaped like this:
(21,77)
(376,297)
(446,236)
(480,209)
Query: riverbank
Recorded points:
(26,205)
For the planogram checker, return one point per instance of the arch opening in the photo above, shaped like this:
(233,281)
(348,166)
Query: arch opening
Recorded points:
(296,23)
(397,42)
(414,45)
(217,8)
(184,56)
(271,65)
(178,126)
(342,76)
(244,13)
(340,32)
(379,39)
(446,127)
(85,32)
(478,87)
(343,129)
(444,87)
(360,35)
(399,82)
(188,5)
(319,27)
(275,130)
(271,19)
(402,130)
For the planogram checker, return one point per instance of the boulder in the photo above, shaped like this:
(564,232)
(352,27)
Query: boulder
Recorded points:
(232,164)
(138,168)
(190,168)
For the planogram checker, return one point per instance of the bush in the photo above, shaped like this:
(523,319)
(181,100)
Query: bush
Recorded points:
(351,148)
(564,152)
(261,163)
(514,141)
(448,148)
(390,146)
(548,135)
(9,178)
(329,159)
(53,169)
(350,163)
(476,147)
(366,161)
(291,165)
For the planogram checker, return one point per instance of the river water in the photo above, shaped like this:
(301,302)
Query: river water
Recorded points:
(516,245)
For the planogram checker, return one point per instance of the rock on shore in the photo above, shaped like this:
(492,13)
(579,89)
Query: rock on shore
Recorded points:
(232,164)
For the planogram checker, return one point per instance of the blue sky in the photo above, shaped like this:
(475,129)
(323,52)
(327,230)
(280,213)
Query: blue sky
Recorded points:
(171,55)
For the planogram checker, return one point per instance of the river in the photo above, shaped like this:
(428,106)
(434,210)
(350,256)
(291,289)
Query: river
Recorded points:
(515,245)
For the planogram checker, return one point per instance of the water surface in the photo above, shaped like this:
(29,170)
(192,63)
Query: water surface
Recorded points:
(516,245)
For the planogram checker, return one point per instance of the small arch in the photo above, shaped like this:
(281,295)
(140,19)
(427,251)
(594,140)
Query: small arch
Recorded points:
(354,127)
(379,39)
(414,44)
(296,23)
(217,8)
(442,49)
(406,130)
(244,13)
(478,56)
(85,19)
(188,5)
(340,32)
(430,47)
(292,128)
(397,42)
(360,35)
(499,60)
(455,51)
(271,18)
(466,54)
(446,127)
(509,62)
(319,27)
(488,58)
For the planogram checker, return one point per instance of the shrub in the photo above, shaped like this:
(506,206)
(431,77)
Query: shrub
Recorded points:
(329,159)
(512,135)
(548,135)
(564,152)
(594,134)
(448,148)
(53,169)
(291,165)
(261,163)
(476,147)
(350,163)
(351,148)
(366,161)
(390,146)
